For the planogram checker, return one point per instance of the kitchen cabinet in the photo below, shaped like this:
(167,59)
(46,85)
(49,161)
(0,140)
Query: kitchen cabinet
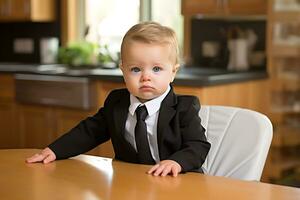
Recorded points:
(224,7)
(36,125)
(191,7)
(252,95)
(66,119)
(27,10)
(245,7)
(7,88)
(8,133)
(283,165)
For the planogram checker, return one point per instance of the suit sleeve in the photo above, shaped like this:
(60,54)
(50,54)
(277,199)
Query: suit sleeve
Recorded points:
(85,136)
(194,143)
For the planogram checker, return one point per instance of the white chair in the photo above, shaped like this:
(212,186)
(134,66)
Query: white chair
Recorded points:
(240,140)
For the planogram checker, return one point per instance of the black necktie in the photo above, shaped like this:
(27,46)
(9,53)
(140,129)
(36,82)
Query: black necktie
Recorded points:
(141,139)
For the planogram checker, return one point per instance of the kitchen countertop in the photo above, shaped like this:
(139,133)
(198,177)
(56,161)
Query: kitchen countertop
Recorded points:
(188,76)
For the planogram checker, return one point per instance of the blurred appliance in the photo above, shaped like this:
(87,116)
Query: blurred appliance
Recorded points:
(71,92)
(234,44)
(48,50)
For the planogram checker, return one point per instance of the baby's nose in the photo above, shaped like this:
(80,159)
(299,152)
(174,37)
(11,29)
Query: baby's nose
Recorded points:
(145,76)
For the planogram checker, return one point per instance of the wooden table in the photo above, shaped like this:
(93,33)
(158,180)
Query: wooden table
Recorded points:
(90,177)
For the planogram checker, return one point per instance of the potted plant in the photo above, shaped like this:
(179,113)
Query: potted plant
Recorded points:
(85,54)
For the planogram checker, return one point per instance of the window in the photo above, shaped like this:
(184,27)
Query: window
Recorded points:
(108,20)
(167,13)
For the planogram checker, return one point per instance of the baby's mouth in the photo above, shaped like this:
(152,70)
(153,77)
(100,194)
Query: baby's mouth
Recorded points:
(145,87)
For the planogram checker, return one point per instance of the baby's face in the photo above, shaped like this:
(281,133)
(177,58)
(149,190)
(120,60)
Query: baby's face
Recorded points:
(148,69)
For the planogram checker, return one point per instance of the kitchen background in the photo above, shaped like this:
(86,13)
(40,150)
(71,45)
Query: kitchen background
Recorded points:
(255,43)
(14,30)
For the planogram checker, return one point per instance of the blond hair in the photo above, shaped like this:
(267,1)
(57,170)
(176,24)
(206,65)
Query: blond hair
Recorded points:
(152,33)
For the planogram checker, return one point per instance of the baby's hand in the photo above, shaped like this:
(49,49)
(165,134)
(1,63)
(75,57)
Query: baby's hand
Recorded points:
(46,156)
(165,167)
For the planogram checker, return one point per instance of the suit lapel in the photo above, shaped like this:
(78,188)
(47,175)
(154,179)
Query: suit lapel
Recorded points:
(120,115)
(166,113)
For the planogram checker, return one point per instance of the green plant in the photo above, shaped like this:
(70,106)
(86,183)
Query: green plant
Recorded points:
(78,53)
(104,55)
(85,53)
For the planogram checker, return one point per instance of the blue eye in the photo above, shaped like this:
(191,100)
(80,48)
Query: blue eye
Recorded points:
(135,69)
(156,69)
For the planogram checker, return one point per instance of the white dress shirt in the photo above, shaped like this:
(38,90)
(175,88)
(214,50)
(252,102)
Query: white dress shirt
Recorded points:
(153,107)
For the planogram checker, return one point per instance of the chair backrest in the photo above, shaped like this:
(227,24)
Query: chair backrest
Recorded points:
(240,140)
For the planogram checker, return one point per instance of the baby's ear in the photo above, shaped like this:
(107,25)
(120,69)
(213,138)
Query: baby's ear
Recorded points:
(175,68)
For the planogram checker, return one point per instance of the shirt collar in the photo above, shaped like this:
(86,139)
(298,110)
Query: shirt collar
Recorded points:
(152,106)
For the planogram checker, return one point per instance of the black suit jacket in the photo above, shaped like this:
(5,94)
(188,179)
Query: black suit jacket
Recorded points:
(180,135)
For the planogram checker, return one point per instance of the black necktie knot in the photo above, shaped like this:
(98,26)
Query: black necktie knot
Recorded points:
(141,113)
